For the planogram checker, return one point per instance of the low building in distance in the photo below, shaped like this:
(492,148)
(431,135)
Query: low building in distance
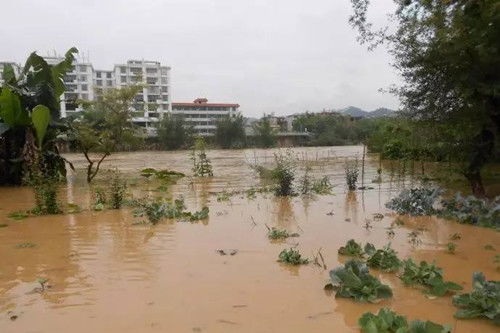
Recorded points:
(203,116)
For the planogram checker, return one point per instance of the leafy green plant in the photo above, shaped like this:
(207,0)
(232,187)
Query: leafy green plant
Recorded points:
(117,190)
(428,275)
(472,210)
(489,247)
(387,321)
(202,167)
(45,190)
(482,302)
(415,201)
(385,259)
(223,196)
(283,174)
(414,238)
(277,234)
(451,247)
(98,198)
(199,215)
(73,208)
(351,249)
(292,257)
(351,174)
(25,245)
(353,280)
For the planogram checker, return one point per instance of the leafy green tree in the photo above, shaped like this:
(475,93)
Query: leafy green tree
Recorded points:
(105,126)
(265,133)
(174,133)
(230,132)
(29,119)
(448,54)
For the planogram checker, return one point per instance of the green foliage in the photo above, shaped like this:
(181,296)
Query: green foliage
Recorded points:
(117,191)
(155,210)
(351,249)
(472,210)
(385,259)
(40,117)
(451,247)
(415,201)
(174,133)
(309,185)
(447,54)
(223,196)
(25,245)
(265,133)
(351,174)
(45,192)
(387,321)
(283,174)
(482,302)
(199,215)
(292,257)
(202,167)
(105,126)
(99,198)
(428,275)
(353,280)
(230,132)
(279,234)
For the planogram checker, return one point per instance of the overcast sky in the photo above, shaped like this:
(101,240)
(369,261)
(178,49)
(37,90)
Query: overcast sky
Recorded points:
(281,56)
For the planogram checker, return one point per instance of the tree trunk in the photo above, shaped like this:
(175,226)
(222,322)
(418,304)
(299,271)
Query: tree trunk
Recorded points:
(476,183)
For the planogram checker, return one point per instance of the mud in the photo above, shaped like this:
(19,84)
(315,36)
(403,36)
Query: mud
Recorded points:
(107,275)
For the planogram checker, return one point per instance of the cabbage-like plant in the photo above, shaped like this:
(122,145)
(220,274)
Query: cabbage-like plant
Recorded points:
(472,210)
(428,275)
(482,302)
(353,280)
(387,321)
(415,201)
(385,259)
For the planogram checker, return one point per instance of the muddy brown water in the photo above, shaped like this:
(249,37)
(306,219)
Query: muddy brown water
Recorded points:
(107,275)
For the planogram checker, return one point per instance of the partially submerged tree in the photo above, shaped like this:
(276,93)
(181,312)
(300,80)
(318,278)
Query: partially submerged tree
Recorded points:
(174,132)
(448,54)
(230,132)
(105,126)
(29,114)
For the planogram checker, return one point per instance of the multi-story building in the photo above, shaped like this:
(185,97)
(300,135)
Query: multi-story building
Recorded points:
(202,115)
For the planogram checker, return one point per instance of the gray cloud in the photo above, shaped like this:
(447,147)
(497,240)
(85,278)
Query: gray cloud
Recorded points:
(281,56)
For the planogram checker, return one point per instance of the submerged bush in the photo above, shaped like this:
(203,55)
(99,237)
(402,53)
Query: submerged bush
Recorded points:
(428,275)
(292,257)
(351,249)
(283,174)
(351,174)
(98,198)
(387,321)
(353,280)
(276,234)
(202,167)
(310,185)
(117,191)
(415,201)
(472,210)
(45,191)
(482,302)
(155,210)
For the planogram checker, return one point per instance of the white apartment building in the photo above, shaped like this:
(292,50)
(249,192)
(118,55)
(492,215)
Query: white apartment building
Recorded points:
(202,115)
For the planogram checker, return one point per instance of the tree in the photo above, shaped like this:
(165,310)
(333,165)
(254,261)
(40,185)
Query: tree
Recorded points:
(105,126)
(29,114)
(265,133)
(230,132)
(448,54)
(174,133)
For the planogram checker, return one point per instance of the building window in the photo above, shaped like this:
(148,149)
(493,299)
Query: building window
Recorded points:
(82,68)
(98,82)
(151,70)
(164,80)
(108,75)
(98,74)
(123,79)
(164,89)
(123,70)
(82,77)
(84,87)
(110,83)
(85,96)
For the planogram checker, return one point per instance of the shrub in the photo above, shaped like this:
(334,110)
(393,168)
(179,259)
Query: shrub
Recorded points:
(353,280)
(472,210)
(275,234)
(284,174)
(415,202)
(45,191)
(202,167)
(351,174)
(292,257)
(99,198)
(351,249)
(117,191)
(482,302)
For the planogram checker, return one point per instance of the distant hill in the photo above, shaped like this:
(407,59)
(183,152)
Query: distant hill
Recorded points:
(357,112)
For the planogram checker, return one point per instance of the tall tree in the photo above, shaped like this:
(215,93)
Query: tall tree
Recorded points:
(448,54)
(230,132)
(174,133)
(265,134)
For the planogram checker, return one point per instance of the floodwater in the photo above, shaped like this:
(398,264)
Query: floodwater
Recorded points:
(108,275)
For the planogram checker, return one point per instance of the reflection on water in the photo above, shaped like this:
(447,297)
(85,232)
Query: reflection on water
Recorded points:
(107,275)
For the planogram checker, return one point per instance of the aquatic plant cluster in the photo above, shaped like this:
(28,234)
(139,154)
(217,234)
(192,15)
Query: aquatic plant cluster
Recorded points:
(469,210)
(353,280)
(156,209)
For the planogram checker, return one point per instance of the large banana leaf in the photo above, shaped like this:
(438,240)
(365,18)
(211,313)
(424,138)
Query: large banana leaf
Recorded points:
(11,111)
(40,117)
